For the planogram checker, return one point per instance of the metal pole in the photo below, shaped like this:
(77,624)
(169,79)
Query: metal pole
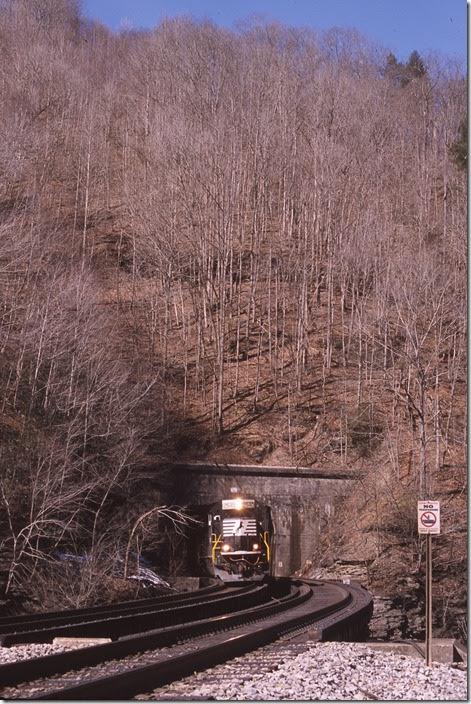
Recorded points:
(428,600)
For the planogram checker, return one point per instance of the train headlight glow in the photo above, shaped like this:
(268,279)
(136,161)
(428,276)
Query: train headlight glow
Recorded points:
(238,504)
(226,547)
(255,546)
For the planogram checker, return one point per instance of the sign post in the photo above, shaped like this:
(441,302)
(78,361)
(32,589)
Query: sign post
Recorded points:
(428,519)
(428,600)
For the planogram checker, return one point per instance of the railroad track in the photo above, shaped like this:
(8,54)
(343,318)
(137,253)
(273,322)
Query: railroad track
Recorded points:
(140,663)
(29,622)
(123,619)
(261,662)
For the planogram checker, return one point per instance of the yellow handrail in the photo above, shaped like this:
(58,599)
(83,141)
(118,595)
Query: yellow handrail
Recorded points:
(215,540)
(265,540)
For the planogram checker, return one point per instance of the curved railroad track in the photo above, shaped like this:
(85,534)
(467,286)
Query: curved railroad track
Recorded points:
(142,662)
(124,619)
(31,622)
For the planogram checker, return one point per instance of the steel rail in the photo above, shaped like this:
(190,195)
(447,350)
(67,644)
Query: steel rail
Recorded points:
(26,670)
(350,622)
(118,625)
(330,604)
(221,647)
(10,624)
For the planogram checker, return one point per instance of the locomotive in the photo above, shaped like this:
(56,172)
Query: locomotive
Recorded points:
(241,536)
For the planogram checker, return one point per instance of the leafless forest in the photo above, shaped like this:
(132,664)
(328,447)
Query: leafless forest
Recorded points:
(237,245)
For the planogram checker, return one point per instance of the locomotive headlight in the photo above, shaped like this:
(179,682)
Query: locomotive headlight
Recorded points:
(238,504)
(255,546)
(226,547)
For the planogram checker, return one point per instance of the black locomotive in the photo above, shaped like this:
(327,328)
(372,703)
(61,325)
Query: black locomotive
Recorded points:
(241,537)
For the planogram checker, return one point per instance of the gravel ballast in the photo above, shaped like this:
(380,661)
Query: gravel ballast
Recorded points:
(33,650)
(329,671)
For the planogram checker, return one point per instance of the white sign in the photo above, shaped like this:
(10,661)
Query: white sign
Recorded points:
(428,517)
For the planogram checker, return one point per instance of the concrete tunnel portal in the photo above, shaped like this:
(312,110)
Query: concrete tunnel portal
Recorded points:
(301,501)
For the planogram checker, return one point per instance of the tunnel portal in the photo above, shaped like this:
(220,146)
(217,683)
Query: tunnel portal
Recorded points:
(301,499)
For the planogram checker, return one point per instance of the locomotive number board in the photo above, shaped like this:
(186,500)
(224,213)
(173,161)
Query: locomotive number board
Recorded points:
(238,503)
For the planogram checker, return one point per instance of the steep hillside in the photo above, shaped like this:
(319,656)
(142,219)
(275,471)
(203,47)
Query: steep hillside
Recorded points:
(240,247)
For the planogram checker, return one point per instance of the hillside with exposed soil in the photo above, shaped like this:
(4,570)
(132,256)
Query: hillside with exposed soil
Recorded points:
(236,247)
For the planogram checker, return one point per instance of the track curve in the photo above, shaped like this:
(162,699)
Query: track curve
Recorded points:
(30,622)
(134,620)
(141,663)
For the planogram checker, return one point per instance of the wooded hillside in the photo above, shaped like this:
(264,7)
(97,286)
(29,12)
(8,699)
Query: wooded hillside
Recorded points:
(227,245)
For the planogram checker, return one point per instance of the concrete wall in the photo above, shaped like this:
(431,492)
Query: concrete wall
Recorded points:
(301,502)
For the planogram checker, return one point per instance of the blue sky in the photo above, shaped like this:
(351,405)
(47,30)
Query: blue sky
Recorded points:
(400,25)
